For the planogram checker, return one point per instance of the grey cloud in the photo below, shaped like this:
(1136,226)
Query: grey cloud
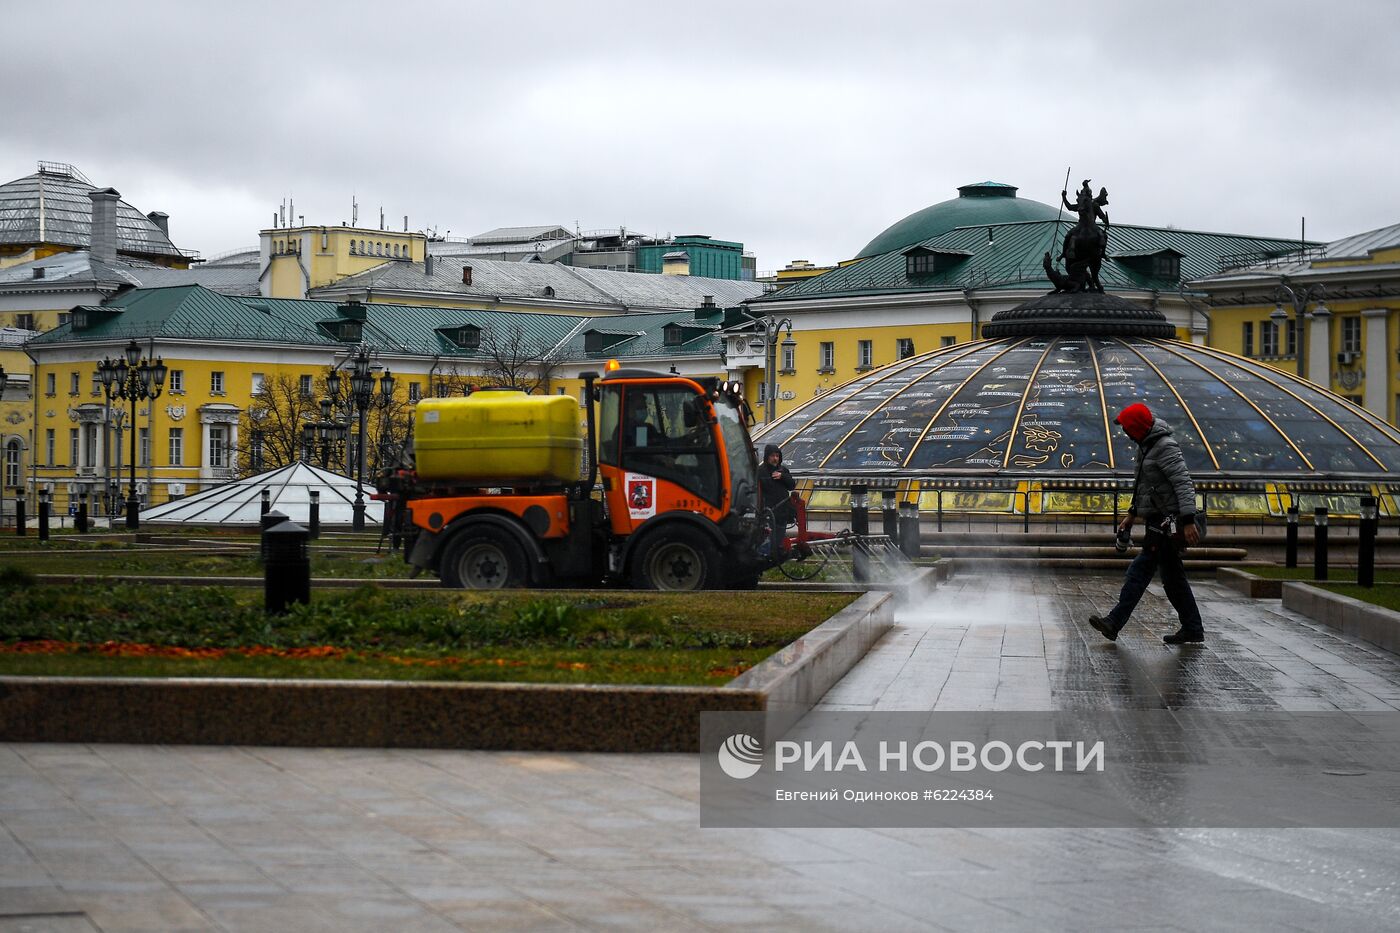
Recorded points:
(802,129)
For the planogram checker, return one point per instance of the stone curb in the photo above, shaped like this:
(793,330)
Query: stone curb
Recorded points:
(1380,627)
(1248,584)
(405,714)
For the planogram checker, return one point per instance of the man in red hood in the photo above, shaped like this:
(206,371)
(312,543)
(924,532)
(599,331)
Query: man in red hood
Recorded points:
(1165,498)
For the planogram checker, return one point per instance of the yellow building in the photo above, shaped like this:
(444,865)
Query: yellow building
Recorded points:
(1332,308)
(245,374)
(295,260)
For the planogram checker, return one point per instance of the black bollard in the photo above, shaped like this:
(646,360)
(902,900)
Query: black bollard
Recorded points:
(313,519)
(43,515)
(1291,553)
(889,516)
(860,526)
(81,522)
(1366,553)
(1320,543)
(909,529)
(20,517)
(269,520)
(287,571)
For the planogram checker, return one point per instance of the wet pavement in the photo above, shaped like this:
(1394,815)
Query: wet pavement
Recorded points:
(162,838)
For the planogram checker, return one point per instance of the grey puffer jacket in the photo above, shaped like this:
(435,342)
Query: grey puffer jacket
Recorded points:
(1164,485)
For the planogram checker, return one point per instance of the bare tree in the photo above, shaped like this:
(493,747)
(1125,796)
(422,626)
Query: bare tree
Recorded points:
(513,359)
(272,428)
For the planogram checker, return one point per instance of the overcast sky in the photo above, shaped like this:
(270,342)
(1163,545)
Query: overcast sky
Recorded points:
(801,129)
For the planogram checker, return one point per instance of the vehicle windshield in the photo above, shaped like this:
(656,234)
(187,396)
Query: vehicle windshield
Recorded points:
(743,473)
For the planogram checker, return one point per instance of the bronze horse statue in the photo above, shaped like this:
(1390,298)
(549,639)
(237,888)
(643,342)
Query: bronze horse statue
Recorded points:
(1085,245)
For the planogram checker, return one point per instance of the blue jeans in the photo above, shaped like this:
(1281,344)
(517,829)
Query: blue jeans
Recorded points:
(1162,554)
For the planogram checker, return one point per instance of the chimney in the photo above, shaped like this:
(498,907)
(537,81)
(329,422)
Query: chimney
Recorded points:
(162,220)
(428,265)
(103,243)
(466,275)
(707,301)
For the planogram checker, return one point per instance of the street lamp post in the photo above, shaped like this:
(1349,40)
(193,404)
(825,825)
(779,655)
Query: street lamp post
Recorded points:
(135,379)
(771,328)
(361,398)
(328,435)
(1299,300)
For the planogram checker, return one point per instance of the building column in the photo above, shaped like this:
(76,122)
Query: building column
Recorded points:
(1377,360)
(1319,328)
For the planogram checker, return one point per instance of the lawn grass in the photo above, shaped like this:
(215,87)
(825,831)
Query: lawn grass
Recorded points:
(123,629)
(1385,595)
(1334,573)
(122,559)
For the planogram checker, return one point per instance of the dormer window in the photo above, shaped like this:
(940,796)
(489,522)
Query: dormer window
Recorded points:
(671,335)
(923,261)
(1161,264)
(462,336)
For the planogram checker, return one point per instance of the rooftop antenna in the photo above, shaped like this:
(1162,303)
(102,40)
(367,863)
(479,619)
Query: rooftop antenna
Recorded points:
(405,223)
(354,211)
(291,208)
(381,217)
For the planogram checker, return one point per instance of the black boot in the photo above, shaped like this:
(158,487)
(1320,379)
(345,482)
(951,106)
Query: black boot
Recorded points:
(1183,636)
(1104,627)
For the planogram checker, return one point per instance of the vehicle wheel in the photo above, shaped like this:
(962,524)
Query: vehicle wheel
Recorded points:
(675,559)
(484,559)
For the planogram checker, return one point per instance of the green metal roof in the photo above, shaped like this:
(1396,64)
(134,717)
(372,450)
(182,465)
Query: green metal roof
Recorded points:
(1012,258)
(196,313)
(987,202)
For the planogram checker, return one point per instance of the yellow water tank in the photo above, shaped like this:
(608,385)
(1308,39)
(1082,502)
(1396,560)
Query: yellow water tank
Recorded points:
(498,437)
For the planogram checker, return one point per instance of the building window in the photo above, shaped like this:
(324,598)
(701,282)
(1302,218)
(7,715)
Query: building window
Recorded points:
(90,445)
(64,317)
(789,359)
(1351,334)
(763,392)
(96,383)
(216,382)
(259,383)
(177,446)
(1290,331)
(918,264)
(353,250)
(48,447)
(218,446)
(304,386)
(947,341)
(25,322)
(74,383)
(143,446)
(828,363)
(865,354)
(50,384)
(1268,338)
(177,382)
(415,391)
(1247,339)
(903,348)
(12,463)
(255,452)
(73,447)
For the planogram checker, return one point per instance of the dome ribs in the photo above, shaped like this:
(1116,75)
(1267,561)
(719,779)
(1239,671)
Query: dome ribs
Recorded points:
(952,358)
(909,458)
(1205,441)
(1246,399)
(1264,374)
(1021,407)
(1093,345)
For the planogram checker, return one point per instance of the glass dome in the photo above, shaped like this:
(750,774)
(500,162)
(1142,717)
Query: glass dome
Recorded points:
(1042,407)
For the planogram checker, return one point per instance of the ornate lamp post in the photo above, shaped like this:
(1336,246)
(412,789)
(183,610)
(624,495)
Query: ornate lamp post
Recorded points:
(328,435)
(771,328)
(361,398)
(135,379)
(1299,301)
